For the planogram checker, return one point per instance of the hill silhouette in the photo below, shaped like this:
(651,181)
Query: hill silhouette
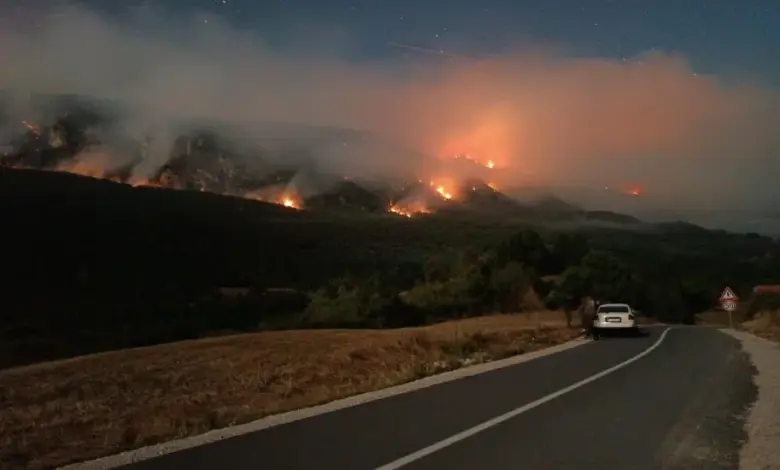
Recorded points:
(90,264)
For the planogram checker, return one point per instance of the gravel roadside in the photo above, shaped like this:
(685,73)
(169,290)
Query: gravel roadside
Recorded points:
(760,452)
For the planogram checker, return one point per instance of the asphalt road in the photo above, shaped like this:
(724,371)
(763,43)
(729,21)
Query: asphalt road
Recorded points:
(677,407)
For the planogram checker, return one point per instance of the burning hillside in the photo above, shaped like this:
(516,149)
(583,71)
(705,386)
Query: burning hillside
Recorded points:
(77,139)
(282,165)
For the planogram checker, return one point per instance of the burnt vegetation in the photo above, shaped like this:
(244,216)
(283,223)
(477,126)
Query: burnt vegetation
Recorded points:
(91,264)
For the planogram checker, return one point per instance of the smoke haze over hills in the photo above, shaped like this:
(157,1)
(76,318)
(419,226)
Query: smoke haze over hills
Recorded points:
(577,125)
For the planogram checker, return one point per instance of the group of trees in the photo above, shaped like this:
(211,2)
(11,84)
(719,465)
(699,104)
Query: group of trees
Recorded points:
(509,277)
(525,272)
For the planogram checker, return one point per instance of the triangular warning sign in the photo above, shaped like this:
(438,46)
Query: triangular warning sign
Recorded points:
(728,294)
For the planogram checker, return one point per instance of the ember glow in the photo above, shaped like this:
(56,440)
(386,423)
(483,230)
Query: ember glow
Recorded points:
(144,183)
(632,190)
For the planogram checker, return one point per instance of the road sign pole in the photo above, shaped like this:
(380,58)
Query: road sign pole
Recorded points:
(728,300)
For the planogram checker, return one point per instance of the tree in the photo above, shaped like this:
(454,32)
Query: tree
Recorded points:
(528,249)
(405,275)
(575,283)
(342,309)
(509,284)
(436,268)
(568,250)
(348,303)
(608,278)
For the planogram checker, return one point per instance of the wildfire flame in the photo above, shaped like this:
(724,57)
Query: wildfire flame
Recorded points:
(408,212)
(287,202)
(443,192)
(283,198)
(400,211)
(443,189)
(486,163)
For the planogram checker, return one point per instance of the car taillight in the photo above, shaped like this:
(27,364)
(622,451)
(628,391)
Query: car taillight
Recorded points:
(630,316)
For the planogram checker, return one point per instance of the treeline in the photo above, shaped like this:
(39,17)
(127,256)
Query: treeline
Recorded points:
(523,272)
(516,275)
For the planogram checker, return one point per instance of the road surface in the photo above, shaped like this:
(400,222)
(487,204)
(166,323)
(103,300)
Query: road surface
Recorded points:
(676,407)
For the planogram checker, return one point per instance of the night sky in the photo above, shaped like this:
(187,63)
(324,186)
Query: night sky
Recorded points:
(738,38)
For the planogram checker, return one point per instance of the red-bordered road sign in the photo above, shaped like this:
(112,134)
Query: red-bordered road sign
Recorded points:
(728,295)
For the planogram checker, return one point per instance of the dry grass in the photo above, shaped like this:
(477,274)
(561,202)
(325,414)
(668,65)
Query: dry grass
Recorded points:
(766,325)
(720,318)
(83,408)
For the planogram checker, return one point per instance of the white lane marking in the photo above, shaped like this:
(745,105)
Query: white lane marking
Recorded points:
(414,456)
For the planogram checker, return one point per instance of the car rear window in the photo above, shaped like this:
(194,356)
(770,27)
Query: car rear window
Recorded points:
(613,309)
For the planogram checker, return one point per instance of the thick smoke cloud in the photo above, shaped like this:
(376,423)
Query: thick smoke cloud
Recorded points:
(545,119)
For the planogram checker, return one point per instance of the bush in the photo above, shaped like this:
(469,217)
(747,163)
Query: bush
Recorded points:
(347,307)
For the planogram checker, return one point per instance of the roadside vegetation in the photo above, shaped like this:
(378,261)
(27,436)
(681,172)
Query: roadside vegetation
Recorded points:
(762,316)
(83,408)
(758,314)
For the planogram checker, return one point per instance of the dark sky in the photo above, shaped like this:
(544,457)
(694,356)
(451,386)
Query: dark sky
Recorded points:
(728,37)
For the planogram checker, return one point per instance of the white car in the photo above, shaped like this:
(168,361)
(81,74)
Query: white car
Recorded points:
(615,317)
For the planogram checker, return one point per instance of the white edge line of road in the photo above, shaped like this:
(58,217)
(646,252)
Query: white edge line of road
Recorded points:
(155,450)
(414,456)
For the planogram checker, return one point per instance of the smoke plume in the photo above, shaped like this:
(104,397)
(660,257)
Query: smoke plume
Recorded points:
(544,119)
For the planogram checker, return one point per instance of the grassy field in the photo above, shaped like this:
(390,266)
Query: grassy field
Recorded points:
(77,409)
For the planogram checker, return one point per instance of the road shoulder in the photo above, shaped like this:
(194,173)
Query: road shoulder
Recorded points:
(763,419)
